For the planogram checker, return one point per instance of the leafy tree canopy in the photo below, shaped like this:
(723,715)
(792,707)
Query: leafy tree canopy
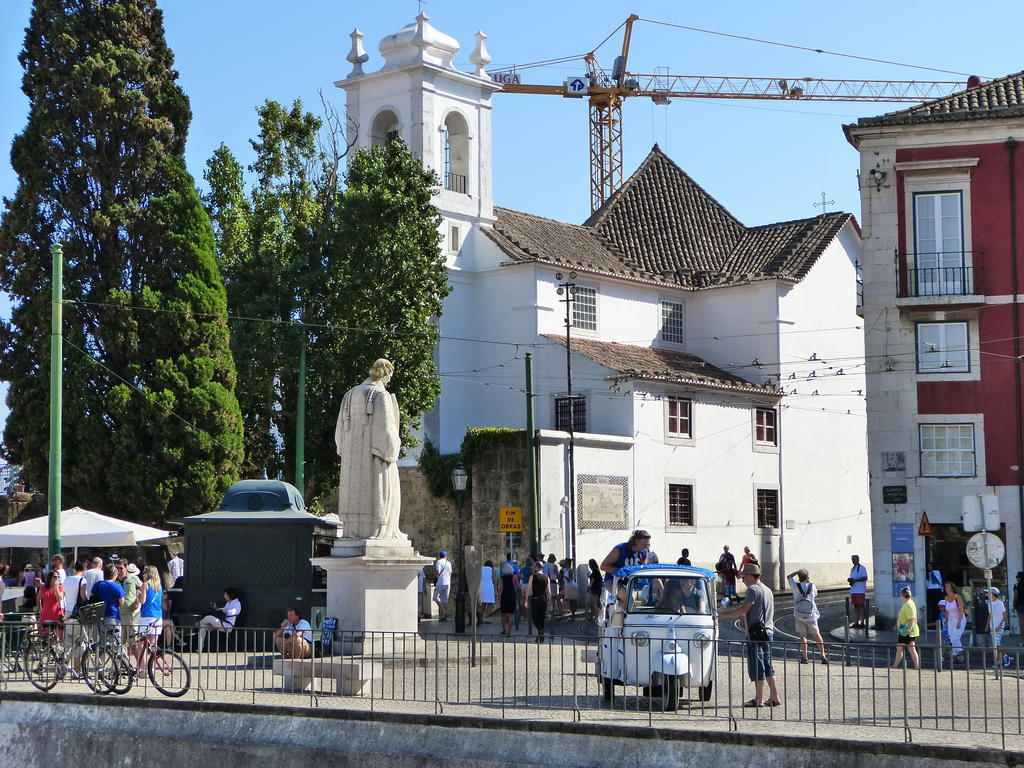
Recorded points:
(152,428)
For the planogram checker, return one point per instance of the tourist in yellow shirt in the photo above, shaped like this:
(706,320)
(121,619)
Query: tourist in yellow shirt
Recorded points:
(908,631)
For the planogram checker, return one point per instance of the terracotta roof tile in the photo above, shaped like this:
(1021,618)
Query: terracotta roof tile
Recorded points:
(663,227)
(999,98)
(653,364)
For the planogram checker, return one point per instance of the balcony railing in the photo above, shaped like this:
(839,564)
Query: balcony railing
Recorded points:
(456,182)
(937,281)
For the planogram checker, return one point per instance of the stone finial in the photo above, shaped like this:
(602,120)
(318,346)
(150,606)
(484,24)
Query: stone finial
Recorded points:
(480,57)
(358,55)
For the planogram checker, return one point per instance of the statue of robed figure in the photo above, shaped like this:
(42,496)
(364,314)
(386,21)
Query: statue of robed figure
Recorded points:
(368,440)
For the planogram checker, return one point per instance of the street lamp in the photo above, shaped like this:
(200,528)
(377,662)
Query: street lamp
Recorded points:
(459,479)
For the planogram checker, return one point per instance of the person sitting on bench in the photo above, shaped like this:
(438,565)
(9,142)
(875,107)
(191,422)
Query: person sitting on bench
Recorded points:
(223,618)
(295,637)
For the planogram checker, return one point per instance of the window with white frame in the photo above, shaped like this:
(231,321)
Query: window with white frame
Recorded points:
(767,508)
(673,322)
(942,348)
(584,308)
(679,417)
(454,239)
(680,504)
(947,450)
(765,429)
(939,244)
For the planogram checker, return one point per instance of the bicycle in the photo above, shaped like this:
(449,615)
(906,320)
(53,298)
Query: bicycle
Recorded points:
(44,659)
(166,669)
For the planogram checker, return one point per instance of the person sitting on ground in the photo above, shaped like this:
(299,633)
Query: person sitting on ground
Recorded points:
(295,637)
(222,618)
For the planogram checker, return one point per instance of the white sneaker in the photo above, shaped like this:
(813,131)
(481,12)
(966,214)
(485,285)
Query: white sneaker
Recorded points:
(1007,660)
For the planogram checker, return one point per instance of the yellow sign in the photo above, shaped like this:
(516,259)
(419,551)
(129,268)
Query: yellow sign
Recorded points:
(925,528)
(510,519)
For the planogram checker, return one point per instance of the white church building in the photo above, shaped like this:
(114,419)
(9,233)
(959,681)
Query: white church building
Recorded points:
(717,369)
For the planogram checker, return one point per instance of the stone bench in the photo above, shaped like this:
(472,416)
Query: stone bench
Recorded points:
(353,676)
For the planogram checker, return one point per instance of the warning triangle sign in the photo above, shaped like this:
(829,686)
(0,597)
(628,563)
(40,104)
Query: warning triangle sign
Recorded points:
(925,528)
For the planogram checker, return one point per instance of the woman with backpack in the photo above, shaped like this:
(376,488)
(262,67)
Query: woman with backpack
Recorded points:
(805,613)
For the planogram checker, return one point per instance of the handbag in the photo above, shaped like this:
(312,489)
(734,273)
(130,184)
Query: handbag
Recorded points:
(758,632)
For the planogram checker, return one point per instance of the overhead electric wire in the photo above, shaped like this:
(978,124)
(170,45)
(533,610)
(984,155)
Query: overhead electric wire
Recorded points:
(805,48)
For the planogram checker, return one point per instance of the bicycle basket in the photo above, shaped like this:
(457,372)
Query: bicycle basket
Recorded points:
(91,613)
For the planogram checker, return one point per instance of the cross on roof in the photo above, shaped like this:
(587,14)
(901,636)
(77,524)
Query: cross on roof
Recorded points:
(824,203)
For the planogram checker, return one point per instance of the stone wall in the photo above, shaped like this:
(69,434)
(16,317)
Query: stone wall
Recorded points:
(499,479)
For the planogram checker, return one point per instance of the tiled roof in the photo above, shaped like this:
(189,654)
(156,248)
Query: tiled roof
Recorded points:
(663,227)
(995,99)
(660,214)
(653,364)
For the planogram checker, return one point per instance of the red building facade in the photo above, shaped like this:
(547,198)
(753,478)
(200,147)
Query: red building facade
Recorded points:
(942,190)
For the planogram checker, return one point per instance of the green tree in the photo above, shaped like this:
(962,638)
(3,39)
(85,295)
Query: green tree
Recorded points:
(151,424)
(396,280)
(358,273)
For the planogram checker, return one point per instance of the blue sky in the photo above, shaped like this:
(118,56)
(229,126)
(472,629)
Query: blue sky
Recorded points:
(766,161)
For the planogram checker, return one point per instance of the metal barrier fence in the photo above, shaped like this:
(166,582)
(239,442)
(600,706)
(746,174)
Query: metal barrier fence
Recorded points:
(664,679)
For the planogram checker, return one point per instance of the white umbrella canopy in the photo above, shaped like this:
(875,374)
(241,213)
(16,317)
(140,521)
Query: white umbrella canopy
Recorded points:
(79,528)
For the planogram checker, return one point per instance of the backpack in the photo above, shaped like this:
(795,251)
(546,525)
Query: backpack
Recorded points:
(804,604)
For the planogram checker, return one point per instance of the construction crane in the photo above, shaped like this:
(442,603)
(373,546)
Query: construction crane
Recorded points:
(606,91)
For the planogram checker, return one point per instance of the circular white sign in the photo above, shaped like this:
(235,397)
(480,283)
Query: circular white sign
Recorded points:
(976,550)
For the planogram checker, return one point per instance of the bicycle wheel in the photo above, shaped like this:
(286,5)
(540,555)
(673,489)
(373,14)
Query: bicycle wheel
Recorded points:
(169,672)
(42,666)
(99,668)
(124,677)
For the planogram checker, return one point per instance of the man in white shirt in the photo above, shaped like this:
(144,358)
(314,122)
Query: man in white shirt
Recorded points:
(92,577)
(224,617)
(56,564)
(858,592)
(176,567)
(295,637)
(442,584)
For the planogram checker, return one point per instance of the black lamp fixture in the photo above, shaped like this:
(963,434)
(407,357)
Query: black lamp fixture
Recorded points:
(460,477)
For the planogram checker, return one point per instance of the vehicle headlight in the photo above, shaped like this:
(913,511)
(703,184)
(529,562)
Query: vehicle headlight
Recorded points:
(702,639)
(640,639)
(672,647)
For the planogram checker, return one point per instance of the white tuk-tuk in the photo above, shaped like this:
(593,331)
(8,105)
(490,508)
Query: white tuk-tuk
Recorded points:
(658,630)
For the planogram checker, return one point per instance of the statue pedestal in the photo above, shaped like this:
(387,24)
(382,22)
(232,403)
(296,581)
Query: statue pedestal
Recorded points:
(372,590)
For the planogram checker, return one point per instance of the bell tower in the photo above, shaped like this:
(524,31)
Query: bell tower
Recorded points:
(442,114)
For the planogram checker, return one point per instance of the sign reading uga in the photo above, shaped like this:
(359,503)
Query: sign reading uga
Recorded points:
(506,78)
(510,519)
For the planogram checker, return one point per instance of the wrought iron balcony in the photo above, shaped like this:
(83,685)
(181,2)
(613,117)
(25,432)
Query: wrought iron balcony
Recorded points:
(456,182)
(937,281)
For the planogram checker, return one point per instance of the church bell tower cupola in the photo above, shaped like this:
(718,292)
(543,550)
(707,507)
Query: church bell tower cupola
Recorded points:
(441,113)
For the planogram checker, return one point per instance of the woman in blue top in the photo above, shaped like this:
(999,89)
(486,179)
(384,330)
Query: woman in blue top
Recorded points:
(151,610)
(636,551)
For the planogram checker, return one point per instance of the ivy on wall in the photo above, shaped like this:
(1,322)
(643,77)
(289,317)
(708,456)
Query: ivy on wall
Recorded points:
(437,467)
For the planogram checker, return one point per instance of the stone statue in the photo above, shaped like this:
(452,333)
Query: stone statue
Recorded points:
(368,440)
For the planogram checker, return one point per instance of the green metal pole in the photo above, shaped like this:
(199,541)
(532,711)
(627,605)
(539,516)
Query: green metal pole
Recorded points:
(56,399)
(300,421)
(531,447)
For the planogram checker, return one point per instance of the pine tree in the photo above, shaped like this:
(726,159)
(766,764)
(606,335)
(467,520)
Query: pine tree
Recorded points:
(151,424)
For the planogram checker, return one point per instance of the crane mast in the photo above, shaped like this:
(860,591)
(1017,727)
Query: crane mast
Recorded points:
(606,92)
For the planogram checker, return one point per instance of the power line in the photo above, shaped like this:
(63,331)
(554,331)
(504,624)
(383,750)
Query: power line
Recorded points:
(804,48)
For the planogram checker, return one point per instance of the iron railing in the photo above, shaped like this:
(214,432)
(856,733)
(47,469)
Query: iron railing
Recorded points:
(937,281)
(456,182)
(491,676)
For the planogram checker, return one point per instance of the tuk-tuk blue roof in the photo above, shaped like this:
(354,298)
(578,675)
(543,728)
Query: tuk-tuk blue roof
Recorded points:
(683,570)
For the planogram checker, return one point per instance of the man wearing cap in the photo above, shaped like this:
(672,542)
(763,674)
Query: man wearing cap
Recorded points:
(442,584)
(758,608)
(858,582)
(128,578)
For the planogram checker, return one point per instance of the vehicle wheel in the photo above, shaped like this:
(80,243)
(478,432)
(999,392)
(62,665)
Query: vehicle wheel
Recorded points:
(42,667)
(706,691)
(99,669)
(168,672)
(607,688)
(670,693)
(124,675)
